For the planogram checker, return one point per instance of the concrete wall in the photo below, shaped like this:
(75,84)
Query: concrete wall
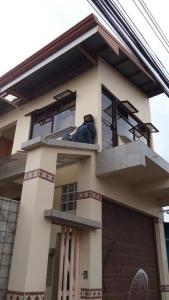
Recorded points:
(123,89)
(88,87)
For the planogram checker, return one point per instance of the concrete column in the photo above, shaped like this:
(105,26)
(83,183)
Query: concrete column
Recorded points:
(30,256)
(89,205)
(162,258)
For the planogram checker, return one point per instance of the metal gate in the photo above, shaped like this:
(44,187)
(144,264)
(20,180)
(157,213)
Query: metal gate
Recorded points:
(68,285)
(130,268)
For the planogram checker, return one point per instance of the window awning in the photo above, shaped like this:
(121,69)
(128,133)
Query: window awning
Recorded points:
(63,97)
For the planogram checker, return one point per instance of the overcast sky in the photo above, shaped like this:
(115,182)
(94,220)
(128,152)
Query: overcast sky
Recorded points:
(28,25)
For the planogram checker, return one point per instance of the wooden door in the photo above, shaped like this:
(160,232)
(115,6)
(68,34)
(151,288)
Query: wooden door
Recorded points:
(68,285)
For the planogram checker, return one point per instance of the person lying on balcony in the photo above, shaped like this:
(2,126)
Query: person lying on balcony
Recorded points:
(85,133)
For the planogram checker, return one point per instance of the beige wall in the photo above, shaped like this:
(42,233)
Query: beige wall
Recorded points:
(111,187)
(88,87)
(123,89)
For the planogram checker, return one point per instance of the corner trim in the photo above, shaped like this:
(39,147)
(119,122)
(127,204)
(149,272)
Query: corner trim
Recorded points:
(164,288)
(39,173)
(89,194)
(91,293)
(17,295)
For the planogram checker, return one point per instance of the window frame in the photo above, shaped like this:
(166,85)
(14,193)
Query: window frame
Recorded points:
(116,104)
(50,111)
(67,193)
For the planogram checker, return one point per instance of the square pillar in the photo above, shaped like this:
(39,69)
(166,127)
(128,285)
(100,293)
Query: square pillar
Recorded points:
(30,254)
(162,258)
(89,206)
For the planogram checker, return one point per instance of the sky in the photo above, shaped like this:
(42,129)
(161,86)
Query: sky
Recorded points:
(28,25)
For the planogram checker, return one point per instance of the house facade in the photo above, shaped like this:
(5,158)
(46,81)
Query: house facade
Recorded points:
(89,224)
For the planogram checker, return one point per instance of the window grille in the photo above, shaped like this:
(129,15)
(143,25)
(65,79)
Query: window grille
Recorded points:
(69,197)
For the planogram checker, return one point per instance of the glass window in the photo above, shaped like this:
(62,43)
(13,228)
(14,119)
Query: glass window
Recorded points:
(119,125)
(56,117)
(123,130)
(106,122)
(68,198)
(64,120)
(42,128)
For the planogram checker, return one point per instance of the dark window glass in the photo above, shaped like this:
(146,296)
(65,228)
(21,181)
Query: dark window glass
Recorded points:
(119,125)
(122,112)
(54,118)
(106,122)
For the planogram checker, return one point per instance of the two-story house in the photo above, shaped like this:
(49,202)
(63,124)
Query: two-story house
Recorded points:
(89,224)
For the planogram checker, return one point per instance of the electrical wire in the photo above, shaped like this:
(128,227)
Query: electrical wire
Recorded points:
(149,23)
(142,37)
(145,7)
(113,15)
(130,30)
(104,19)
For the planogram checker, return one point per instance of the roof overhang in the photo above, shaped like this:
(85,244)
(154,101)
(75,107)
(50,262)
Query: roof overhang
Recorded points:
(70,54)
(5,105)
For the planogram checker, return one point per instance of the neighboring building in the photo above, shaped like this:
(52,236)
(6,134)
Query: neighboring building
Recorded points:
(89,223)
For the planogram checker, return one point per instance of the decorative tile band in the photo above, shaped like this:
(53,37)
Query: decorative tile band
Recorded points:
(158,220)
(39,173)
(164,288)
(89,194)
(91,293)
(15,295)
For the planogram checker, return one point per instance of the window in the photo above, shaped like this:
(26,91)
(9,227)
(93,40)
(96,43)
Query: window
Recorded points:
(119,121)
(52,118)
(69,197)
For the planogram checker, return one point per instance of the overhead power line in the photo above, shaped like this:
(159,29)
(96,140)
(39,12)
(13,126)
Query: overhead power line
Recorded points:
(143,4)
(157,33)
(111,12)
(142,37)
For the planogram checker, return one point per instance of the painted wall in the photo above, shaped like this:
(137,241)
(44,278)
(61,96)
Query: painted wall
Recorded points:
(123,89)
(88,87)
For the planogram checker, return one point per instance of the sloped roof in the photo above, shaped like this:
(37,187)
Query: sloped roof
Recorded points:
(71,53)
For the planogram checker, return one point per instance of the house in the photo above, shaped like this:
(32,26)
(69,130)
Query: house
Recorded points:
(89,224)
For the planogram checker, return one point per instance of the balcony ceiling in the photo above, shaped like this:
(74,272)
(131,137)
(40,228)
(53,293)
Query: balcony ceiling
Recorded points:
(138,165)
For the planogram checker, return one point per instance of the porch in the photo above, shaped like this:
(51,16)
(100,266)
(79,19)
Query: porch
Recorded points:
(48,227)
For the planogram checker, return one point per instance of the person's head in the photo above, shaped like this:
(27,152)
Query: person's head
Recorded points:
(88,118)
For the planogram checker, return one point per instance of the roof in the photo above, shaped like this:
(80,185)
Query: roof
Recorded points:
(70,54)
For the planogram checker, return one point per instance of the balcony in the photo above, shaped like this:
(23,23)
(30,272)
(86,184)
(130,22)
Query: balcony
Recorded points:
(137,164)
